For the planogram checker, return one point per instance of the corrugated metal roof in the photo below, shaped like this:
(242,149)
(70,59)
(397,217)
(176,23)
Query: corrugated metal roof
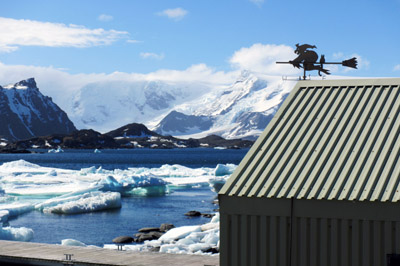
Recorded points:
(336,139)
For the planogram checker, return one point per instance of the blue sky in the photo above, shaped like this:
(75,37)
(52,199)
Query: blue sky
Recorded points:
(83,37)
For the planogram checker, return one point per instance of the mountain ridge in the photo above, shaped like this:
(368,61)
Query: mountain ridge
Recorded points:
(133,135)
(25,112)
(240,109)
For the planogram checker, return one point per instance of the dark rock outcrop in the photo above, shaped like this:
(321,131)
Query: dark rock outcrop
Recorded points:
(81,139)
(25,113)
(152,233)
(123,240)
(193,213)
(133,130)
(179,122)
(166,227)
(149,229)
(90,139)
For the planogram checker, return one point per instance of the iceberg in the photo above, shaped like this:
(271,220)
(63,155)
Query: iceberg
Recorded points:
(88,202)
(4,214)
(16,234)
(17,208)
(179,232)
(25,186)
(72,242)
(58,150)
(224,169)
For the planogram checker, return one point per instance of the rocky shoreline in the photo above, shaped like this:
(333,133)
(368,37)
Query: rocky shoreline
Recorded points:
(132,136)
(198,239)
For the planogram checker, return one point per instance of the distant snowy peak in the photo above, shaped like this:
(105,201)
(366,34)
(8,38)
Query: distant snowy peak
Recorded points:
(105,106)
(26,113)
(23,85)
(241,110)
(176,123)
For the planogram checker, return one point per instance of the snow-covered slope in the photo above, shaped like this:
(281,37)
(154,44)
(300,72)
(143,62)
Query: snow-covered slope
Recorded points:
(26,113)
(240,109)
(105,106)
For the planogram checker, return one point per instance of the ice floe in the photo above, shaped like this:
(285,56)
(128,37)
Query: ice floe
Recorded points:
(72,242)
(25,187)
(16,234)
(88,202)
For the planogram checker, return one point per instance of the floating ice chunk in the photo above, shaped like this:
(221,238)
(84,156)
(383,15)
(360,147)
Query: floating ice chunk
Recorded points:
(198,247)
(4,214)
(16,234)
(186,241)
(216,183)
(140,185)
(224,169)
(72,242)
(179,232)
(173,248)
(15,209)
(89,170)
(215,218)
(97,151)
(89,202)
(58,150)
(52,173)
(211,238)
(6,198)
(209,226)
(19,164)
(152,191)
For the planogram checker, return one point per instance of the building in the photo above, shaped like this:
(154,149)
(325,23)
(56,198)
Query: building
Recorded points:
(321,185)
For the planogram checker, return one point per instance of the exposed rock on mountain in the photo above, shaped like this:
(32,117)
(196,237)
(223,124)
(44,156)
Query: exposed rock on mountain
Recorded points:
(133,130)
(176,123)
(129,136)
(26,113)
(240,109)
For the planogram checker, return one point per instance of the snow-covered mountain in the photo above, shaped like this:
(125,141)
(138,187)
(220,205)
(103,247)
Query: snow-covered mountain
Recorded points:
(241,109)
(105,106)
(25,113)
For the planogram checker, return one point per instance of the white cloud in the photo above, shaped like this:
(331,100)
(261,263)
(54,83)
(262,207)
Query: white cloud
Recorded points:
(175,13)
(15,33)
(152,56)
(105,18)
(396,67)
(262,58)
(61,85)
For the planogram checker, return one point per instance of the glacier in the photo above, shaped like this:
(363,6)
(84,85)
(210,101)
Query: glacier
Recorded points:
(240,107)
(26,187)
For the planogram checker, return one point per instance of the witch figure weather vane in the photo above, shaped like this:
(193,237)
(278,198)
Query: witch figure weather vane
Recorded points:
(307,59)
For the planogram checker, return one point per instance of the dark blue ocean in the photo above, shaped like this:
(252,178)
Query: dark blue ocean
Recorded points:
(98,228)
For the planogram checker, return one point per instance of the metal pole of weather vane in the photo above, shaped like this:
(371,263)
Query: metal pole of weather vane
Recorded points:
(308,60)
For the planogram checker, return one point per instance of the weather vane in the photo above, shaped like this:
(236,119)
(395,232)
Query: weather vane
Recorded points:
(307,59)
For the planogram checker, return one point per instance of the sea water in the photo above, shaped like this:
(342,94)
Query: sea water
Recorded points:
(186,171)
